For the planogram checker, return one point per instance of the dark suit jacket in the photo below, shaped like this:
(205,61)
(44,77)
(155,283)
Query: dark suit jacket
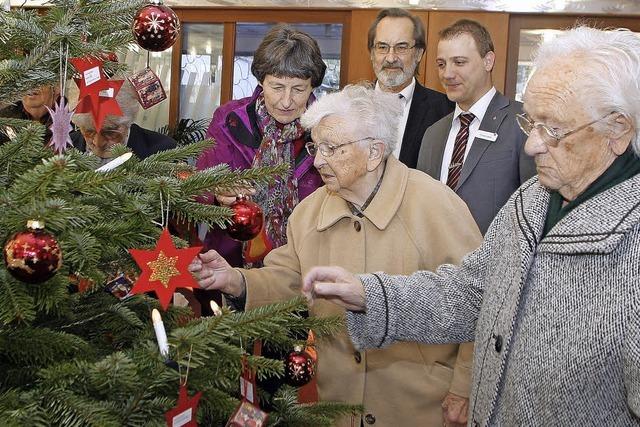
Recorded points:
(427,107)
(492,171)
(143,142)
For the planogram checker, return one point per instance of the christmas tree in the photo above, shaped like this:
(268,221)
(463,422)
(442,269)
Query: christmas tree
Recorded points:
(70,353)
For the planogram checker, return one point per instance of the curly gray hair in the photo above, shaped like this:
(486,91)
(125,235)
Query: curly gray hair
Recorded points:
(372,113)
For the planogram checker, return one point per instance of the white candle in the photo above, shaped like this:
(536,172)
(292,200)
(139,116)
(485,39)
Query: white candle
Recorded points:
(114,163)
(215,308)
(161,335)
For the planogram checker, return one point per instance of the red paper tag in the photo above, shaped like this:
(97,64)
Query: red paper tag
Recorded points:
(247,382)
(248,415)
(148,88)
(184,414)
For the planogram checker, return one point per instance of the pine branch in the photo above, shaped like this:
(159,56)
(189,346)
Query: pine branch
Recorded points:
(16,305)
(323,414)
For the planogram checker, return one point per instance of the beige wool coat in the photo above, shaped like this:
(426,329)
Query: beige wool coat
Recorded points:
(413,223)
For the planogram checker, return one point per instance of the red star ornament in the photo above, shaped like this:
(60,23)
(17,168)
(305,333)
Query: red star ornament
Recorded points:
(184,414)
(104,105)
(92,77)
(164,269)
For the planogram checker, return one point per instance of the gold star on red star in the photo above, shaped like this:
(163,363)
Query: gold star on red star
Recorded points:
(164,269)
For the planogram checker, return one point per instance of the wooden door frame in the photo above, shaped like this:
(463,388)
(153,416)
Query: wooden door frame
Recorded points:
(229,17)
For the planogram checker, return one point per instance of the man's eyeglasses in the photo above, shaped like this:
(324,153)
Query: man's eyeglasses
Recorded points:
(399,49)
(328,150)
(111,135)
(550,136)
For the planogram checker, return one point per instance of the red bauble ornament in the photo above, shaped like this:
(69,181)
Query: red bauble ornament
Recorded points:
(156,27)
(247,219)
(32,256)
(299,367)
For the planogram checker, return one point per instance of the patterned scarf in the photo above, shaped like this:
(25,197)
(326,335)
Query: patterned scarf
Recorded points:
(278,199)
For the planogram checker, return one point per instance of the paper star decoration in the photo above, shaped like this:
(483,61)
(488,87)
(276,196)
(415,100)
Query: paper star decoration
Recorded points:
(105,105)
(97,94)
(184,414)
(164,269)
(60,126)
(92,77)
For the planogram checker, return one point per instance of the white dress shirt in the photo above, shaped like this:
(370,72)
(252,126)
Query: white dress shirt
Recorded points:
(478,110)
(406,96)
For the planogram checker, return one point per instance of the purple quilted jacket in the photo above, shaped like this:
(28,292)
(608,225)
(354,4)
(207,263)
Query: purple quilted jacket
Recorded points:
(235,130)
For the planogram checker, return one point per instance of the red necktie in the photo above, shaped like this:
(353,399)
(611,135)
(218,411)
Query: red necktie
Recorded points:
(460,146)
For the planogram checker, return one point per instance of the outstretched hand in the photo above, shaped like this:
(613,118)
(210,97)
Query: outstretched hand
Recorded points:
(334,284)
(212,271)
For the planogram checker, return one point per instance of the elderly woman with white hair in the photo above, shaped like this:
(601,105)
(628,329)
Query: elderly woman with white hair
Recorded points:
(373,214)
(552,297)
(118,130)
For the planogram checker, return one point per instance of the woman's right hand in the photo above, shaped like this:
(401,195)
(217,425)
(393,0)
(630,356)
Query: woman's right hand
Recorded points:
(212,271)
(227,198)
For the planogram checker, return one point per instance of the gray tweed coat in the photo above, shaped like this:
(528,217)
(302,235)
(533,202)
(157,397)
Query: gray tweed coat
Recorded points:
(556,321)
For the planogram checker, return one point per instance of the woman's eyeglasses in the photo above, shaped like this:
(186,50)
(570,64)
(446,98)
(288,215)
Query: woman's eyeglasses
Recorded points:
(328,150)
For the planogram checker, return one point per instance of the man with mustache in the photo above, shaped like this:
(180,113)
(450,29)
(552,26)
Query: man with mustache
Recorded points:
(478,150)
(396,44)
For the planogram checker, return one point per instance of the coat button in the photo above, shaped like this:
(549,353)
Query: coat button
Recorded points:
(357,226)
(357,356)
(370,419)
(498,343)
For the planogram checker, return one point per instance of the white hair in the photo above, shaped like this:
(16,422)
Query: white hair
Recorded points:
(128,103)
(370,113)
(609,73)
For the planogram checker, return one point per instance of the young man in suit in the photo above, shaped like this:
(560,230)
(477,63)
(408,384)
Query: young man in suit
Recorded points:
(478,150)
(396,44)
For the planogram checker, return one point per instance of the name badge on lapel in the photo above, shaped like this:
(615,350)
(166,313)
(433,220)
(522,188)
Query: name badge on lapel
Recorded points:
(489,136)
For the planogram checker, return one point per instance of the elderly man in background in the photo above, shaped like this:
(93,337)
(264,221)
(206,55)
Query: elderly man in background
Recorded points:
(32,106)
(552,297)
(373,213)
(118,130)
(397,43)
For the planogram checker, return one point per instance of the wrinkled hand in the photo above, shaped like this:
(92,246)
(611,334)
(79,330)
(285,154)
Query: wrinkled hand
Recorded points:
(212,271)
(334,284)
(454,410)
(226,198)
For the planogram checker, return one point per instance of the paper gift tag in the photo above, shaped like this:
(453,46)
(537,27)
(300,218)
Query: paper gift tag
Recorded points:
(148,88)
(247,382)
(120,286)
(248,415)
(184,413)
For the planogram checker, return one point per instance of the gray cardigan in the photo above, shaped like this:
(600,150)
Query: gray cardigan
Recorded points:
(556,321)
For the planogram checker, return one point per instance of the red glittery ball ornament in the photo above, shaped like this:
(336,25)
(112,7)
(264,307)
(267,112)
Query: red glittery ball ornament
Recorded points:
(299,367)
(156,27)
(247,219)
(34,255)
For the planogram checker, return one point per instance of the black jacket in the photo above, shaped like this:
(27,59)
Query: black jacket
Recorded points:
(142,142)
(427,107)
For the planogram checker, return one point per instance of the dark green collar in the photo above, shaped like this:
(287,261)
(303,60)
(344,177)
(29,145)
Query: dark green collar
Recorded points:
(622,168)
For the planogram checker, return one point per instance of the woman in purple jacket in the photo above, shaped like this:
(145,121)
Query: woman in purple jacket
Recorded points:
(264,130)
